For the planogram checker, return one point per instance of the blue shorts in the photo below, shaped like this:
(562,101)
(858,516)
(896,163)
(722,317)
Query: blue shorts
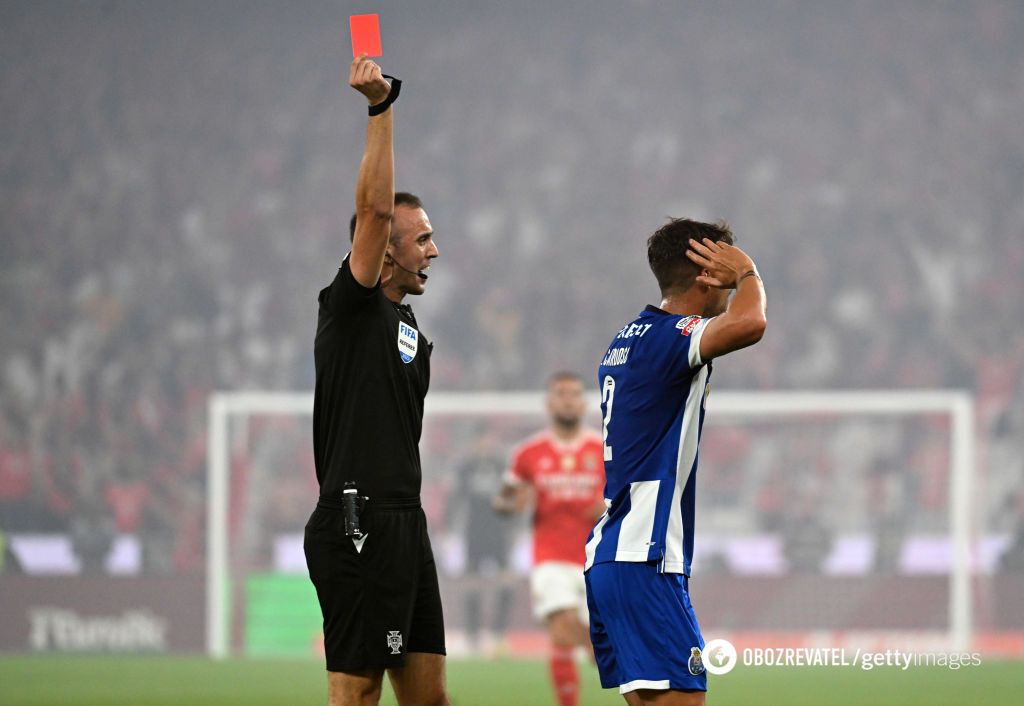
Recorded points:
(643,628)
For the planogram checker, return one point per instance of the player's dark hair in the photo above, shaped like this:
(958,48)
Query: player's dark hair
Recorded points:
(402,198)
(666,251)
(561,375)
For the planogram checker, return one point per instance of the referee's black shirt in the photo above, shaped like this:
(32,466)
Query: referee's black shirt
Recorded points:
(372,373)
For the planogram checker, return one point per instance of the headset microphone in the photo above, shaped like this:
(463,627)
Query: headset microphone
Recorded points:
(421,275)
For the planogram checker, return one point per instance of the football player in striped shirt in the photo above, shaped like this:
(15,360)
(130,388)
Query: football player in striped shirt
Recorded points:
(654,387)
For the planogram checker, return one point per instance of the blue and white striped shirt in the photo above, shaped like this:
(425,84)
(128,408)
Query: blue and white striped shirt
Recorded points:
(653,391)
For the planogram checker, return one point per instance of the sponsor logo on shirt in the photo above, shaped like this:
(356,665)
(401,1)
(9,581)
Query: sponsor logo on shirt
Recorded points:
(687,325)
(568,486)
(408,338)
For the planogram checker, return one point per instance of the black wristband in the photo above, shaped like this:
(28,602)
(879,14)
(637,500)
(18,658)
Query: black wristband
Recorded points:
(396,88)
(748,273)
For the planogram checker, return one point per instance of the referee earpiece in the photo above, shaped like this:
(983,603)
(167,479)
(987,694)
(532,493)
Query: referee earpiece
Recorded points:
(390,259)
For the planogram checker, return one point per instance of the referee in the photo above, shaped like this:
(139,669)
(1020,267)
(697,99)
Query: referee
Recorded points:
(366,542)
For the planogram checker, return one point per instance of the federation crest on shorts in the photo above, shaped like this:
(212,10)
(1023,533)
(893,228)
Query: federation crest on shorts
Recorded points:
(695,664)
(408,339)
(395,641)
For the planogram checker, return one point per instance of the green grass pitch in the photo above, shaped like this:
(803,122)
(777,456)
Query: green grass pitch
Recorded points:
(191,681)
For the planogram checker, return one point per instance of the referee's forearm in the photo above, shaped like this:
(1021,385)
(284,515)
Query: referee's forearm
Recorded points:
(375,189)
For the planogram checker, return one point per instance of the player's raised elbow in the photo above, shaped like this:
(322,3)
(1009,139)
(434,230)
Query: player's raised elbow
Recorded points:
(747,330)
(730,332)
(750,328)
(757,325)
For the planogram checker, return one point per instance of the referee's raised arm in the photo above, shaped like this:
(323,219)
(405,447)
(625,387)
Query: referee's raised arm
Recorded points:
(375,190)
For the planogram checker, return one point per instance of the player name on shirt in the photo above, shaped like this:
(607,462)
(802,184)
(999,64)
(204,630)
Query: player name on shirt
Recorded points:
(616,356)
(631,330)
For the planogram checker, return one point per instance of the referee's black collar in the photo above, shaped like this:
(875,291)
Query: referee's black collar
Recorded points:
(404,309)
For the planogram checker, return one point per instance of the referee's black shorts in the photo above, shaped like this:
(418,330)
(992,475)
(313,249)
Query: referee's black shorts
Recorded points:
(381,601)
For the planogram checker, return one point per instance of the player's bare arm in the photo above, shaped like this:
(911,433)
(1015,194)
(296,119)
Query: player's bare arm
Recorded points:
(743,323)
(511,499)
(375,189)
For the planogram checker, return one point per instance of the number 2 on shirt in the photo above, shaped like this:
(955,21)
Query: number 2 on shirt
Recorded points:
(607,398)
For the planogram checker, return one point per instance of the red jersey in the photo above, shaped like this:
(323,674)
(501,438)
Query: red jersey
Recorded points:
(568,484)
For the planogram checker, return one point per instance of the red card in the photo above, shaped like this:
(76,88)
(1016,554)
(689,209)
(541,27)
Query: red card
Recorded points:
(365,35)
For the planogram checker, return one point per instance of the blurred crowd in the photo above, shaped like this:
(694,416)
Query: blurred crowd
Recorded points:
(176,180)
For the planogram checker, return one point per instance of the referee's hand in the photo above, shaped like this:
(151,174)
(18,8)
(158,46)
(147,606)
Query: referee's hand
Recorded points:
(365,76)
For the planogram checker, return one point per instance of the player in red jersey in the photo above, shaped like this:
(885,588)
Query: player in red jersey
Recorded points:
(562,468)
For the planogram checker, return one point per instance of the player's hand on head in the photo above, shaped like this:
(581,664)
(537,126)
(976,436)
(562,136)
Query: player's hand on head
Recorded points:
(365,76)
(725,263)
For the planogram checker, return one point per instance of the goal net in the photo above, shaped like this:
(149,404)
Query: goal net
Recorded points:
(824,519)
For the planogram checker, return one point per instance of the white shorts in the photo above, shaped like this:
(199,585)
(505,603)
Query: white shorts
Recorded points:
(558,585)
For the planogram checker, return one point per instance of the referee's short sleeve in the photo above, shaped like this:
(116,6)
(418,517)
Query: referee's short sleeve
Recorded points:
(345,295)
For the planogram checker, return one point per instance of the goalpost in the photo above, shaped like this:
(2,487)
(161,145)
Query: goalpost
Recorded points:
(957,406)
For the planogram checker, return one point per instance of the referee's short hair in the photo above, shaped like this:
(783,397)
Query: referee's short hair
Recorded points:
(666,251)
(402,198)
